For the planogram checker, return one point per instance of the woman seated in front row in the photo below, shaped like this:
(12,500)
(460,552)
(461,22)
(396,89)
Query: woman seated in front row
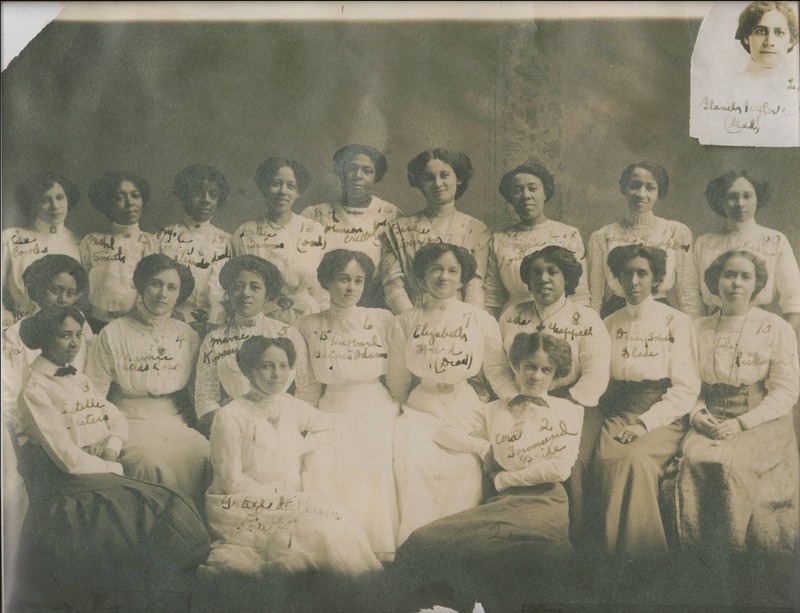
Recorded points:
(257,508)
(528,445)
(89,526)
(736,488)
(654,383)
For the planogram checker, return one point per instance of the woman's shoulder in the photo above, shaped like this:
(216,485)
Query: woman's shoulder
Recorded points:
(247,227)
(763,317)
(307,225)
(606,230)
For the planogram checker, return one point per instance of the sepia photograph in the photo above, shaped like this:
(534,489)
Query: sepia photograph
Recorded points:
(485,307)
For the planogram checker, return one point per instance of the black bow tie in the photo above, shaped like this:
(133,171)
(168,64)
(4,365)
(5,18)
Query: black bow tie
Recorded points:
(522,399)
(63,371)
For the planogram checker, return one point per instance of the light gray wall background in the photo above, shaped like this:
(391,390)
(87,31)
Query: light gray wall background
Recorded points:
(584,97)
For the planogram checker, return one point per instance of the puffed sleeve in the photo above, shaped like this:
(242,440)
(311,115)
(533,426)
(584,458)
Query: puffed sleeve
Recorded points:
(237,242)
(493,352)
(783,380)
(86,255)
(226,455)
(684,373)
(207,386)
(306,385)
(473,291)
(317,425)
(687,282)
(101,365)
(398,377)
(597,270)
(595,361)
(553,469)
(392,275)
(42,422)
(495,292)
(470,434)
(151,245)
(787,278)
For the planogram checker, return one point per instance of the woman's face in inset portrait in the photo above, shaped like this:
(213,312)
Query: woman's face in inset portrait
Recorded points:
(248,293)
(439,182)
(203,200)
(443,278)
(126,205)
(641,191)
(63,347)
(62,291)
(282,191)
(528,197)
(52,206)
(770,40)
(359,177)
(161,292)
(636,279)
(271,373)
(546,282)
(347,286)
(737,281)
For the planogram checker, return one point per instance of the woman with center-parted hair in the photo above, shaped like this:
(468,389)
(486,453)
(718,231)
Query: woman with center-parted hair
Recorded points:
(111,257)
(198,243)
(348,350)
(442,343)
(292,243)
(44,201)
(90,527)
(643,184)
(442,176)
(249,283)
(527,188)
(735,486)
(359,219)
(655,382)
(264,518)
(143,362)
(552,275)
(737,196)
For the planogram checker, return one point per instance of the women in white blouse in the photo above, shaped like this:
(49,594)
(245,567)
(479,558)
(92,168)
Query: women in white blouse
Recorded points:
(517,541)
(527,188)
(198,243)
(736,197)
(442,176)
(91,527)
(654,382)
(441,343)
(736,489)
(44,201)
(292,243)
(552,275)
(263,518)
(110,257)
(643,184)
(348,350)
(359,221)
(143,361)
(249,282)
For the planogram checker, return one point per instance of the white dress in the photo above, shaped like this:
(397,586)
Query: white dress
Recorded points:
(348,355)
(149,365)
(504,285)
(218,378)
(671,236)
(261,516)
(443,343)
(771,246)
(296,250)
(205,249)
(20,248)
(110,259)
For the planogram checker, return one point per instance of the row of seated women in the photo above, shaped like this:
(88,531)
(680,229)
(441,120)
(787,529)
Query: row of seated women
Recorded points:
(636,412)
(361,221)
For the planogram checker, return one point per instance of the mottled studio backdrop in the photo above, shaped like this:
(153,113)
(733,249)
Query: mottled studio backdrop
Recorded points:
(584,97)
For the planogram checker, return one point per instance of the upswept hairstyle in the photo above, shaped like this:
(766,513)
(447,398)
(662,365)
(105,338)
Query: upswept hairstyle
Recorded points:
(431,252)
(717,190)
(752,14)
(269,168)
(190,178)
(39,274)
(155,263)
(460,163)
(348,152)
(333,262)
(557,349)
(561,257)
(713,273)
(620,256)
(101,192)
(31,191)
(273,280)
(657,170)
(528,169)
(39,329)
(254,347)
